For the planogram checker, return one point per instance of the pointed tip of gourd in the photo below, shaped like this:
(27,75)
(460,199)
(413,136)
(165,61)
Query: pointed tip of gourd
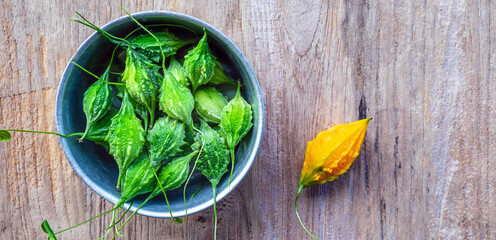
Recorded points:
(80,140)
(119,180)
(203,39)
(238,89)
(171,61)
(364,121)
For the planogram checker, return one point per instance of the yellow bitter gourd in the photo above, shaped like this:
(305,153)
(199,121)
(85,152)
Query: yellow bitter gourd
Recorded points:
(331,154)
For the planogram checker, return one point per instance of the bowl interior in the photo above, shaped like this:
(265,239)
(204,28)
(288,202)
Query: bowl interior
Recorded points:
(93,163)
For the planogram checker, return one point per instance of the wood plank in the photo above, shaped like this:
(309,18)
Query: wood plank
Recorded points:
(424,70)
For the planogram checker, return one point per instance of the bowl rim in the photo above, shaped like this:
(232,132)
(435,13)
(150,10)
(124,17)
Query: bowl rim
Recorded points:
(237,53)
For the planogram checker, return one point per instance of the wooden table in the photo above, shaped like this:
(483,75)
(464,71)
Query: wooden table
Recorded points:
(424,70)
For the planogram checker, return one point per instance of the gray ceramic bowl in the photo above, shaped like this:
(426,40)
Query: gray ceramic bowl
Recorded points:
(92,162)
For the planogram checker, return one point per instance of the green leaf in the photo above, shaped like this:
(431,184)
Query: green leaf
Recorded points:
(139,178)
(97,100)
(5,136)
(174,173)
(48,230)
(178,221)
(176,100)
(126,137)
(139,80)
(147,45)
(200,63)
(220,77)
(177,70)
(209,104)
(214,158)
(165,139)
(235,122)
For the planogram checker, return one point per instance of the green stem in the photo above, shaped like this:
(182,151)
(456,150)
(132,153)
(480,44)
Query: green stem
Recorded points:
(165,195)
(298,215)
(108,230)
(96,29)
(145,120)
(97,77)
(88,126)
(122,217)
(109,36)
(117,231)
(107,71)
(115,225)
(129,218)
(152,119)
(232,165)
(199,188)
(151,34)
(111,210)
(191,174)
(215,211)
(53,133)
(119,178)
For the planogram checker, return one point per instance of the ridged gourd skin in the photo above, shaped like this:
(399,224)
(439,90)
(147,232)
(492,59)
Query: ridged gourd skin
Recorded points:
(200,63)
(139,80)
(177,70)
(235,122)
(126,137)
(213,161)
(330,155)
(214,158)
(209,104)
(176,100)
(236,119)
(97,100)
(220,77)
(148,45)
(332,152)
(139,178)
(99,130)
(165,139)
(138,108)
(174,173)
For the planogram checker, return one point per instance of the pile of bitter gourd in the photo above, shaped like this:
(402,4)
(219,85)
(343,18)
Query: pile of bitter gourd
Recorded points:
(166,117)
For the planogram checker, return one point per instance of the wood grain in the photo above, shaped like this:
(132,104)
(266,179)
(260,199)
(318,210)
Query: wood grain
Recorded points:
(424,70)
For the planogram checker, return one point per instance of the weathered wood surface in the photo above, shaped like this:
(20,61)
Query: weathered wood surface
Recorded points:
(424,70)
